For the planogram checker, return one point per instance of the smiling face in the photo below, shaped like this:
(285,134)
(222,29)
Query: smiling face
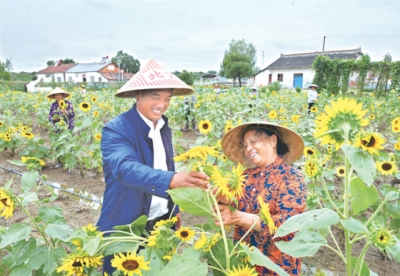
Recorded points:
(260,149)
(153,103)
(58,96)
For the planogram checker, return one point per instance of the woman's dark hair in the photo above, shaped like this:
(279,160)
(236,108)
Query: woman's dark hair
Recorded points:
(281,148)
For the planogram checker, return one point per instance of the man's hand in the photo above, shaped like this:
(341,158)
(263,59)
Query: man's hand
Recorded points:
(189,179)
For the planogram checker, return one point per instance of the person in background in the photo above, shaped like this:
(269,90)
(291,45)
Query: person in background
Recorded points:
(83,90)
(254,92)
(61,110)
(267,150)
(138,155)
(312,96)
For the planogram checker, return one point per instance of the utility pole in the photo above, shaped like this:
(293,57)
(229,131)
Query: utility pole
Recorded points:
(323,46)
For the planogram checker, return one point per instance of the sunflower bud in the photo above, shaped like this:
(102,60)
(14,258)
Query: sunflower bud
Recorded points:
(382,238)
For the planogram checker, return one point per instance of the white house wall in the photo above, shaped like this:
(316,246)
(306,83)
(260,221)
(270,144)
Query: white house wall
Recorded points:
(261,79)
(78,77)
(49,77)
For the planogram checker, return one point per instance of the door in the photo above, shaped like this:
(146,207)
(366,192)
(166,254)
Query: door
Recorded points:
(298,80)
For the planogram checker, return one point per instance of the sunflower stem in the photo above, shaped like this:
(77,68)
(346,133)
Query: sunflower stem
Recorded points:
(360,260)
(329,197)
(376,212)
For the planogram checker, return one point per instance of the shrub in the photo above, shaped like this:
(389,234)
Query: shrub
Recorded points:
(298,89)
(275,86)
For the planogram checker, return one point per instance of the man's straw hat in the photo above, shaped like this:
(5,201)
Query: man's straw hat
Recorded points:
(57,90)
(313,85)
(154,76)
(232,142)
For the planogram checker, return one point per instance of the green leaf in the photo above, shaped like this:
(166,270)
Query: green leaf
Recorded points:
(50,214)
(364,269)
(362,196)
(354,226)
(91,244)
(29,197)
(258,258)
(392,195)
(155,256)
(21,270)
(137,227)
(362,163)
(46,259)
(305,244)
(17,162)
(188,263)
(15,233)
(394,251)
(28,180)
(121,246)
(8,184)
(22,250)
(312,219)
(58,230)
(193,200)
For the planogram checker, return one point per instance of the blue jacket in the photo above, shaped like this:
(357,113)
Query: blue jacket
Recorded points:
(128,169)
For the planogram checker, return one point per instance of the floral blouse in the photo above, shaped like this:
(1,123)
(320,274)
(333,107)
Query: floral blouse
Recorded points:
(56,110)
(283,188)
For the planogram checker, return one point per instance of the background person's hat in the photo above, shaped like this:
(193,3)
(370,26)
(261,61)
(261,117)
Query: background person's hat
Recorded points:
(254,87)
(232,142)
(57,90)
(82,86)
(154,76)
(313,85)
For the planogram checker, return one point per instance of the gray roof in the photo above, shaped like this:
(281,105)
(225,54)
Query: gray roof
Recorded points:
(305,60)
(88,67)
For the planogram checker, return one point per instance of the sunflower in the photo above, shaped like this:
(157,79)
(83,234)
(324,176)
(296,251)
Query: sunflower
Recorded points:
(97,136)
(397,146)
(185,234)
(314,109)
(61,104)
(228,126)
(84,106)
(96,114)
(90,230)
(205,126)
(236,180)
(396,125)
(340,171)
(221,182)
(386,167)
(272,114)
(94,99)
(242,271)
(6,203)
(130,264)
(343,114)
(77,262)
(27,134)
(382,238)
(308,151)
(370,142)
(371,116)
(201,243)
(1,123)
(311,168)
(166,222)
(266,215)
(200,152)
(295,119)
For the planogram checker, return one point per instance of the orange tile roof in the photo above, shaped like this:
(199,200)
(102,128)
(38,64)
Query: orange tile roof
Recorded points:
(56,69)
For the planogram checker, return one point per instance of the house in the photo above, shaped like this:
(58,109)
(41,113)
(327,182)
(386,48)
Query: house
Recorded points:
(103,71)
(295,70)
(54,73)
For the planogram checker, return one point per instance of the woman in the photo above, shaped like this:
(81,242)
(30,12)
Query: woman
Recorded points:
(312,96)
(61,108)
(267,149)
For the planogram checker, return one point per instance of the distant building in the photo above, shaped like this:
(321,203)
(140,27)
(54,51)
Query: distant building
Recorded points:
(296,69)
(104,71)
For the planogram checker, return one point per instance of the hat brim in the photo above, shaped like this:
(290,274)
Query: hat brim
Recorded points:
(175,92)
(57,90)
(233,149)
(313,85)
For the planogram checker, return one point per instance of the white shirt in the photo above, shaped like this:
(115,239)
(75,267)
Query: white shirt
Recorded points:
(312,95)
(159,205)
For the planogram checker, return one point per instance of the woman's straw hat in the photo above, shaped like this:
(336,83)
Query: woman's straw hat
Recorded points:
(232,142)
(313,85)
(154,76)
(57,90)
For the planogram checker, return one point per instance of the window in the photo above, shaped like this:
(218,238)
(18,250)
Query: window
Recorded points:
(69,78)
(47,76)
(99,79)
(280,77)
(58,79)
(91,79)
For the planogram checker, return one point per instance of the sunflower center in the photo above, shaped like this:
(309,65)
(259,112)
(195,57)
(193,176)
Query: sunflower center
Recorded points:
(205,126)
(130,265)
(386,166)
(184,234)
(369,144)
(382,238)
(310,152)
(341,171)
(4,201)
(77,263)
(85,105)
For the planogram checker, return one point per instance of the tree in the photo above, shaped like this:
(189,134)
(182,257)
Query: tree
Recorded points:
(68,61)
(239,60)
(187,77)
(50,63)
(4,75)
(126,62)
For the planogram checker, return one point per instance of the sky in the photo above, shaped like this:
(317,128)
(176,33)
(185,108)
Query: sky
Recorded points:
(190,34)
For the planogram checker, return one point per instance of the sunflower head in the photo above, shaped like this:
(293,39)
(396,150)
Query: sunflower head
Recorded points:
(266,215)
(205,126)
(272,114)
(130,263)
(387,167)
(242,271)
(370,142)
(6,203)
(340,171)
(84,106)
(185,234)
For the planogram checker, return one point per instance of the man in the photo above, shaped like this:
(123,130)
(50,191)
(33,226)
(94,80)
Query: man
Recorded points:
(312,96)
(138,155)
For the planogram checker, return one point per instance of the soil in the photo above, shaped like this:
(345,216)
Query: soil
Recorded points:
(79,212)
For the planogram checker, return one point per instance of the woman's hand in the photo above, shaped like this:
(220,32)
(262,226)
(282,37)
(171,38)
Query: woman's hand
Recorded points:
(236,217)
(228,217)
(64,111)
(221,199)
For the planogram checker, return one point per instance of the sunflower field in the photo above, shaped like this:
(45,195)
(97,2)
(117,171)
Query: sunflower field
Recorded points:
(350,162)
